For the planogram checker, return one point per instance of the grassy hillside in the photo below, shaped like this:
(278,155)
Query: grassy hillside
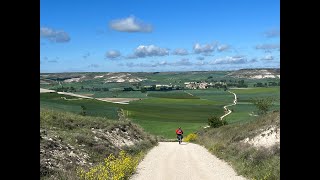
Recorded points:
(69,141)
(227,143)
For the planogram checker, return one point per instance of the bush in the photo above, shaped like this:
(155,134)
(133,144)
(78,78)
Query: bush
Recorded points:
(215,122)
(191,137)
(263,104)
(121,167)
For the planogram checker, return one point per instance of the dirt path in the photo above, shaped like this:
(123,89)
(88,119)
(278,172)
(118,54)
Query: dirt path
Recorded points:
(112,100)
(188,93)
(225,107)
(171,161)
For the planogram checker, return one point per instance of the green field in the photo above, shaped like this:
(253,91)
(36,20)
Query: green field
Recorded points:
(116,94)
(160,112)
(172,94)
(94,107)
(160,116)
(244,107)
(244,95)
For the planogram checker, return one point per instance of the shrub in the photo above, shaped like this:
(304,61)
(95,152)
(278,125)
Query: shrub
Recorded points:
(191,137)
(114,168)
(215,122)
(263,104)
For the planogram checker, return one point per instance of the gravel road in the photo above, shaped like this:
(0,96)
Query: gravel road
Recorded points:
(188,161)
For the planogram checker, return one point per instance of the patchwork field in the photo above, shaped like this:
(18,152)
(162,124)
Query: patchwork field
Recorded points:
(245,110)
(158,112)
(160,116)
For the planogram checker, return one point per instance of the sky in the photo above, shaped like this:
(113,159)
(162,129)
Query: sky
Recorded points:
(158,35)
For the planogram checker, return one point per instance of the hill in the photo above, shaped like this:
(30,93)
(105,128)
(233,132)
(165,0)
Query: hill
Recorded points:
(252,148)
(256,73)
(69,141)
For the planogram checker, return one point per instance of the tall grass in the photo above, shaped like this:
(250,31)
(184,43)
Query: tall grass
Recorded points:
(255,163)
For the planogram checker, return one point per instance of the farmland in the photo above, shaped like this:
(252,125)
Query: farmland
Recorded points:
(159,110)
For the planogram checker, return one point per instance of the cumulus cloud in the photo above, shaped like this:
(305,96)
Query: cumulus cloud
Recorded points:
(54,35)
(148,51)
(267,58)
(112,54)
(130,24)
(272,33)
(231,60)
(201,63)
(156,64)
(204,49)
(181,52)
(182,62)
(140,65)
(162,63)
(268,46)
(223,47)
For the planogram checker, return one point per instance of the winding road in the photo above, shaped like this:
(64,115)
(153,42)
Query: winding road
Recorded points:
(225,107)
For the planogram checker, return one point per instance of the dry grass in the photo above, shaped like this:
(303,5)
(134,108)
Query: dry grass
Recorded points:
(68,141)
(226,143)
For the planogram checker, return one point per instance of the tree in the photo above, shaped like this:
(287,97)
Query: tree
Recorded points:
(263,104)
(215,121)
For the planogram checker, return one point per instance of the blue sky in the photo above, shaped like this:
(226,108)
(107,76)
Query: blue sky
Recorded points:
(154,35)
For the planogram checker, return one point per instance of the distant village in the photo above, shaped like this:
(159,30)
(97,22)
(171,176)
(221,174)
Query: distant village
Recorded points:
(188,85)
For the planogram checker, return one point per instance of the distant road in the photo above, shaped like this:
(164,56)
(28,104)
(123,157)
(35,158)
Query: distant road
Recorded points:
(225,107)
(42,90)
(112,100)
(171,161)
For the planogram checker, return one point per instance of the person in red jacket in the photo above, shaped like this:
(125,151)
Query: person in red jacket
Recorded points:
(179,132)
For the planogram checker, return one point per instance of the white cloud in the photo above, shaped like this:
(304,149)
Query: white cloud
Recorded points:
(272,33)
(231,60)
(201,63)
(223,47)
(268,46)
(268,58)
(182,62)
(54,35)
(112,54)
(148,51)
(205,48)
(130,24)
(181,52)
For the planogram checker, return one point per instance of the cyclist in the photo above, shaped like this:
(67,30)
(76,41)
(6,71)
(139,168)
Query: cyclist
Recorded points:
(179,133)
